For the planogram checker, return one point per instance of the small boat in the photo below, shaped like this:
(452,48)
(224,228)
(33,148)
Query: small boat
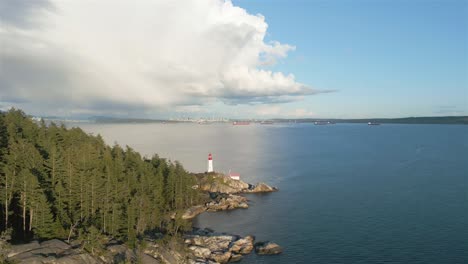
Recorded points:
(241,123)
(266,123)
(373,124)
(321,123)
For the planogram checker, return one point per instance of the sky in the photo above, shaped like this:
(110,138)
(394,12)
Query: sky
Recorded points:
(239,59)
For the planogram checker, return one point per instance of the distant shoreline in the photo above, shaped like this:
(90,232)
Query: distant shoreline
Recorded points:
(443,120)
(436,120)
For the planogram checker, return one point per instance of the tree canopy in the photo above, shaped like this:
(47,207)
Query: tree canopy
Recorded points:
(59,182)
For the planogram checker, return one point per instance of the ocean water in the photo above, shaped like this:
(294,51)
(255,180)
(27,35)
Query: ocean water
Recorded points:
(349,193)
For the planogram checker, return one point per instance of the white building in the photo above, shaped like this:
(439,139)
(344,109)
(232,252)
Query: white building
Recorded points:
(234,175)
(210,163)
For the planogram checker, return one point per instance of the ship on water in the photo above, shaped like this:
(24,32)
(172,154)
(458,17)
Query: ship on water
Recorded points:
(373,124)
(204,122)
(241,123)
(318,123)
(266,123)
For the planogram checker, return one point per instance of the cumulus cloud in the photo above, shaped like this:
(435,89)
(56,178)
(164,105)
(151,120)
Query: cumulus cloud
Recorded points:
(279,111)
(268,110)
(111,55)
(302,113)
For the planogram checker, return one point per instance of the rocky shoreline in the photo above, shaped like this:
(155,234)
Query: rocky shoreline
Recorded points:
(223,192)
(208,246)
(222,248)
(220,183)
(220,203)
(198,246)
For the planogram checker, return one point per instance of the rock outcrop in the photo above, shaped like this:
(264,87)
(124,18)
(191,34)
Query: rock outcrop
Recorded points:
(214,242)
(220,248)
(218,203)
(267,248)
(193,211)
(227,203)
(58,252)
(262,187)
(243,246)
(164,254)
(220,183)
(51,251)
(200,246)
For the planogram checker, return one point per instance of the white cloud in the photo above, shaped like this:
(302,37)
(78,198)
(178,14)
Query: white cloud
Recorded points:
(268,110)
(137,55)
(274,110)
(302,113)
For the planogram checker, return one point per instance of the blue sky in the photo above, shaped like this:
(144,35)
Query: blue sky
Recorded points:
(385,58)
(206,58)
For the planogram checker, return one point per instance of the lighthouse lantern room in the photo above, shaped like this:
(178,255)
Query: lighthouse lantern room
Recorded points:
(210,163)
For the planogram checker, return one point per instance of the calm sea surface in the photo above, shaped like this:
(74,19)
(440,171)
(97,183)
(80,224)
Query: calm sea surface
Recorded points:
(349,193)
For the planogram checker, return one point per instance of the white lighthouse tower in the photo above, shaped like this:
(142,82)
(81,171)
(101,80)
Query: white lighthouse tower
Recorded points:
(210,163)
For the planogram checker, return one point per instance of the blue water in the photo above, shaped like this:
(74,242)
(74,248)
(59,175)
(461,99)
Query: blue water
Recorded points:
(349,193)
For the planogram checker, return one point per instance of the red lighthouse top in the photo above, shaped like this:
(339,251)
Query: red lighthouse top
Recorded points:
(210,157)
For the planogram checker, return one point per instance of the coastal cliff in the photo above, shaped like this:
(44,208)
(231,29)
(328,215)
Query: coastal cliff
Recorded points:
(223,193)
(220,183)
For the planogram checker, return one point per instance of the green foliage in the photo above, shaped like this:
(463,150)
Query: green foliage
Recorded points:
(57,182)
(92,240)
(5,236)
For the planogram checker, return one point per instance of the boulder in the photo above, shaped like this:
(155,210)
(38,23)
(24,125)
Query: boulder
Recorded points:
(200,252)
(167,254)
(55,243)
(193,211)
(51,251)
(145,259)
(267,248)
(229,202)
(52,247)
(213,243)
(235,257)
(47,251)
(201,261)
(243,246)
(243,205)
(30,258)
(77,259)
(120,253)
(18,249)
(262,187)
(221,257)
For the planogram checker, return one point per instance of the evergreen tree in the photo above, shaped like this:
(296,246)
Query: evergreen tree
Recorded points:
(60,182)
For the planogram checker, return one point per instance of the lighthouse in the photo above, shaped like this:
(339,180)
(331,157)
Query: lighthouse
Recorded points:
(210,163)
